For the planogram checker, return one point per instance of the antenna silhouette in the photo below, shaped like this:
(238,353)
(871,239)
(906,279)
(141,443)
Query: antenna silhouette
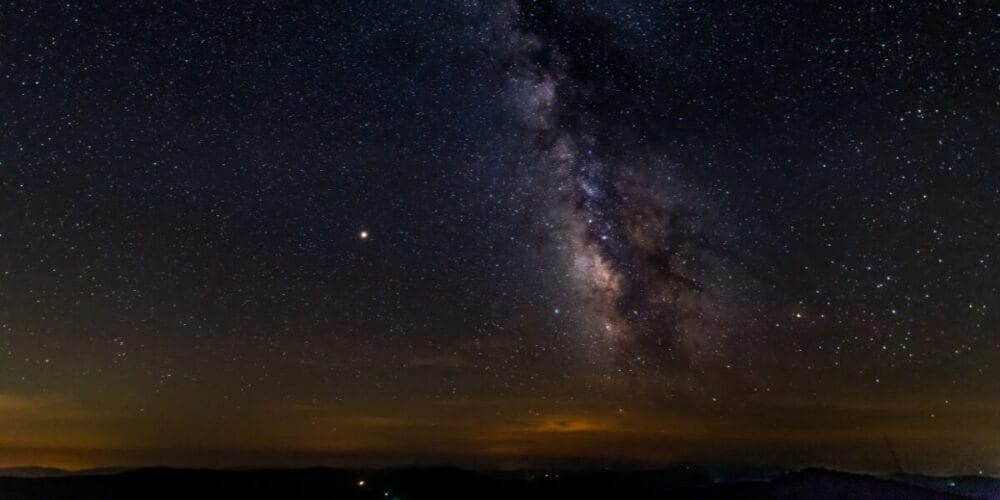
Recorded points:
(895,458)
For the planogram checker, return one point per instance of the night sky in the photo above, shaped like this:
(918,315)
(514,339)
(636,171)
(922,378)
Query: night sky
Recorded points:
(500,233)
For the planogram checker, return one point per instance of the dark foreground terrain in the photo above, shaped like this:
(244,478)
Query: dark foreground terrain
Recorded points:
(445,483)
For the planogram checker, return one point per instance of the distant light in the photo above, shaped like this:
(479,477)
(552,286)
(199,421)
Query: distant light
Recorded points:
(363,235)
(361,483)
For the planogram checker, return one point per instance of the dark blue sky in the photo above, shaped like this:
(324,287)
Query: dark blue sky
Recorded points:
(591,225)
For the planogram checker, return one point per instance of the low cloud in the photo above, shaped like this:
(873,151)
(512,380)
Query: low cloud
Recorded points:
(442,361)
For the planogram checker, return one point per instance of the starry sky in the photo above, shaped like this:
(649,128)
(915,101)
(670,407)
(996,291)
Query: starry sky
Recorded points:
(500,233)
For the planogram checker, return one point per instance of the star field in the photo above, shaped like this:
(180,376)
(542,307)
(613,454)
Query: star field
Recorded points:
(238,233)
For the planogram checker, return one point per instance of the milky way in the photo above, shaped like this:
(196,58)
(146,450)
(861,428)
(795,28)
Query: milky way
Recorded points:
(631,243)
